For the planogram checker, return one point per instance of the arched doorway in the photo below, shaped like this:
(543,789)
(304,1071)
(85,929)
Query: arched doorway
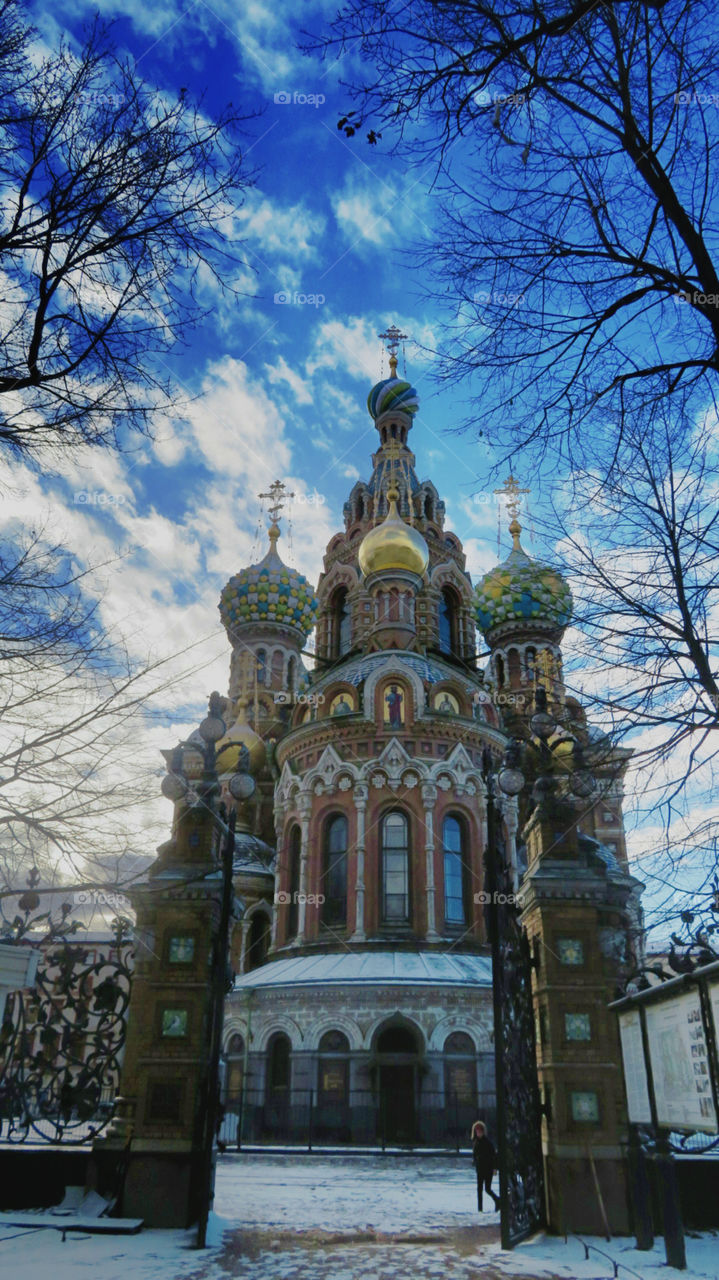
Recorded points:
(397,1059)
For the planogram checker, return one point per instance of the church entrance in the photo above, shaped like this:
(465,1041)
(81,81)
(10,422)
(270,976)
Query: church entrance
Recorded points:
(397,1060)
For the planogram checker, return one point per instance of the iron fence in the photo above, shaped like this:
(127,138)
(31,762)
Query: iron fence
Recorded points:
(303,1118)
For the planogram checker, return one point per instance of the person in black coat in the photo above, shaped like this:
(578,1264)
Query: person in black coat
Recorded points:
(485,1162)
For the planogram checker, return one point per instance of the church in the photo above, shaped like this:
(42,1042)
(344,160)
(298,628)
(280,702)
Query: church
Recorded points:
(362,1004)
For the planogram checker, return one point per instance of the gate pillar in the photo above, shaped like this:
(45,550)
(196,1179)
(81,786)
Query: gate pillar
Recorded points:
(578,908)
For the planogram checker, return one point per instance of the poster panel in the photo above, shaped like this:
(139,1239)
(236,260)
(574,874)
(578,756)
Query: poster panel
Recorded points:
(680,1064)
(635,1068)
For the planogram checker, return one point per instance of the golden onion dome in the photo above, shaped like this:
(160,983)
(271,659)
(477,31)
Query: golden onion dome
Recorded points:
(229,748)
(393,544)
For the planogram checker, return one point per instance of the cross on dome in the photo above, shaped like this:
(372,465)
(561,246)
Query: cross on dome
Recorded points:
(393,336)
(276,495)
(511,492)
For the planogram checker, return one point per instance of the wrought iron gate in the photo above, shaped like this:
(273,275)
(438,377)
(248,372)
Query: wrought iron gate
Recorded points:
(519,1115)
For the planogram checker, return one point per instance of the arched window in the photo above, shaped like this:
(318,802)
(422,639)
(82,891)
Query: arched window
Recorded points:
(513,667)
(394,854)
(341,623)
(499,668)
(292,674)
(261,666)
(455,871)
(530,660)
(460,1073)
(278,1066)
(334,872)
(235,1056)
(258,942)
(448,624)
(333,1069)
(293,881)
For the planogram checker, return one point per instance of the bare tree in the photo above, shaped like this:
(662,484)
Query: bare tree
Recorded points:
(78,780)
(576,168)
(113,201)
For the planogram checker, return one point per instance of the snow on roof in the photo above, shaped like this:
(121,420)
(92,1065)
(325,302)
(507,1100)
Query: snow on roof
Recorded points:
(429,968)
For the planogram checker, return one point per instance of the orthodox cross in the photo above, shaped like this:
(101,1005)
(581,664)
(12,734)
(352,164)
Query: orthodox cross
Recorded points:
(392,337)
(277,495)
(511,493)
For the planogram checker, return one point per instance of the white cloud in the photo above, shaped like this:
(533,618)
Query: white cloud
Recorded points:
(280,372)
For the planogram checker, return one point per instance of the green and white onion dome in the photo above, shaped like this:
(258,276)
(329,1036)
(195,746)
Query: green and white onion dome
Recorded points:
(392,393)
(522,590)
(269,592)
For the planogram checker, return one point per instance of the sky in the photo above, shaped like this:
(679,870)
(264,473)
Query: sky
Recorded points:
(273,383)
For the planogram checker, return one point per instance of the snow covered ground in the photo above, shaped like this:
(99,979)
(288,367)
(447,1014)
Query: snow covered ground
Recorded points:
(311,1217)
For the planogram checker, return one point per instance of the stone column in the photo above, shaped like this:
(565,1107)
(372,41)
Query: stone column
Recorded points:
(429,799)
(304,805)
(360,794)
(280,811)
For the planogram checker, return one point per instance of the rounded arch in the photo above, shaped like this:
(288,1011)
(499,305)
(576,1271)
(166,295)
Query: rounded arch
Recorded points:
(280,1023)
(398,1022)
(387,671)
(334,1022)
(452,1024)
(235,1027)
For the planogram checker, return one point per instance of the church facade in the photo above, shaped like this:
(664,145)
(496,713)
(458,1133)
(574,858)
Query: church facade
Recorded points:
(362,1005)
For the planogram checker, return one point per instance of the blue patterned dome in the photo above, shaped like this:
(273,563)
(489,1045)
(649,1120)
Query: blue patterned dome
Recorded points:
(522,590)
(269,592)
(392,393)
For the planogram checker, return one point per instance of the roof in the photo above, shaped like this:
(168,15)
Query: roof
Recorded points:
(372,968)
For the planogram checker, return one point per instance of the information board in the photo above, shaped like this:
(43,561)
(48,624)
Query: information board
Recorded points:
(680,1064)
(635,1068)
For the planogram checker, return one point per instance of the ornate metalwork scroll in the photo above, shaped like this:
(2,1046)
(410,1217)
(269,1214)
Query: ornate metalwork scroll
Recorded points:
(61,1043)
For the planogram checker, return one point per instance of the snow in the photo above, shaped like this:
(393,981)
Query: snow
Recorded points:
(304,1217)
(373,967)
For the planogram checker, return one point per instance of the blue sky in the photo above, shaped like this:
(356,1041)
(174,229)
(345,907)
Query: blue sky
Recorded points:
(279,375)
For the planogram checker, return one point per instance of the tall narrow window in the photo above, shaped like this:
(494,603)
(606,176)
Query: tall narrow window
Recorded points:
(448,629)
(341,623)
(261,666)
(334,878)
(395,869)
(259,941)
(455,871)
(278,1065)
(499,668)
(291,674)
(293,882)
(235,1058)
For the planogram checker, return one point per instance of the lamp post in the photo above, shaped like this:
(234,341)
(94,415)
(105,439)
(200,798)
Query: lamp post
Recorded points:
(176,786)
(519,1108)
